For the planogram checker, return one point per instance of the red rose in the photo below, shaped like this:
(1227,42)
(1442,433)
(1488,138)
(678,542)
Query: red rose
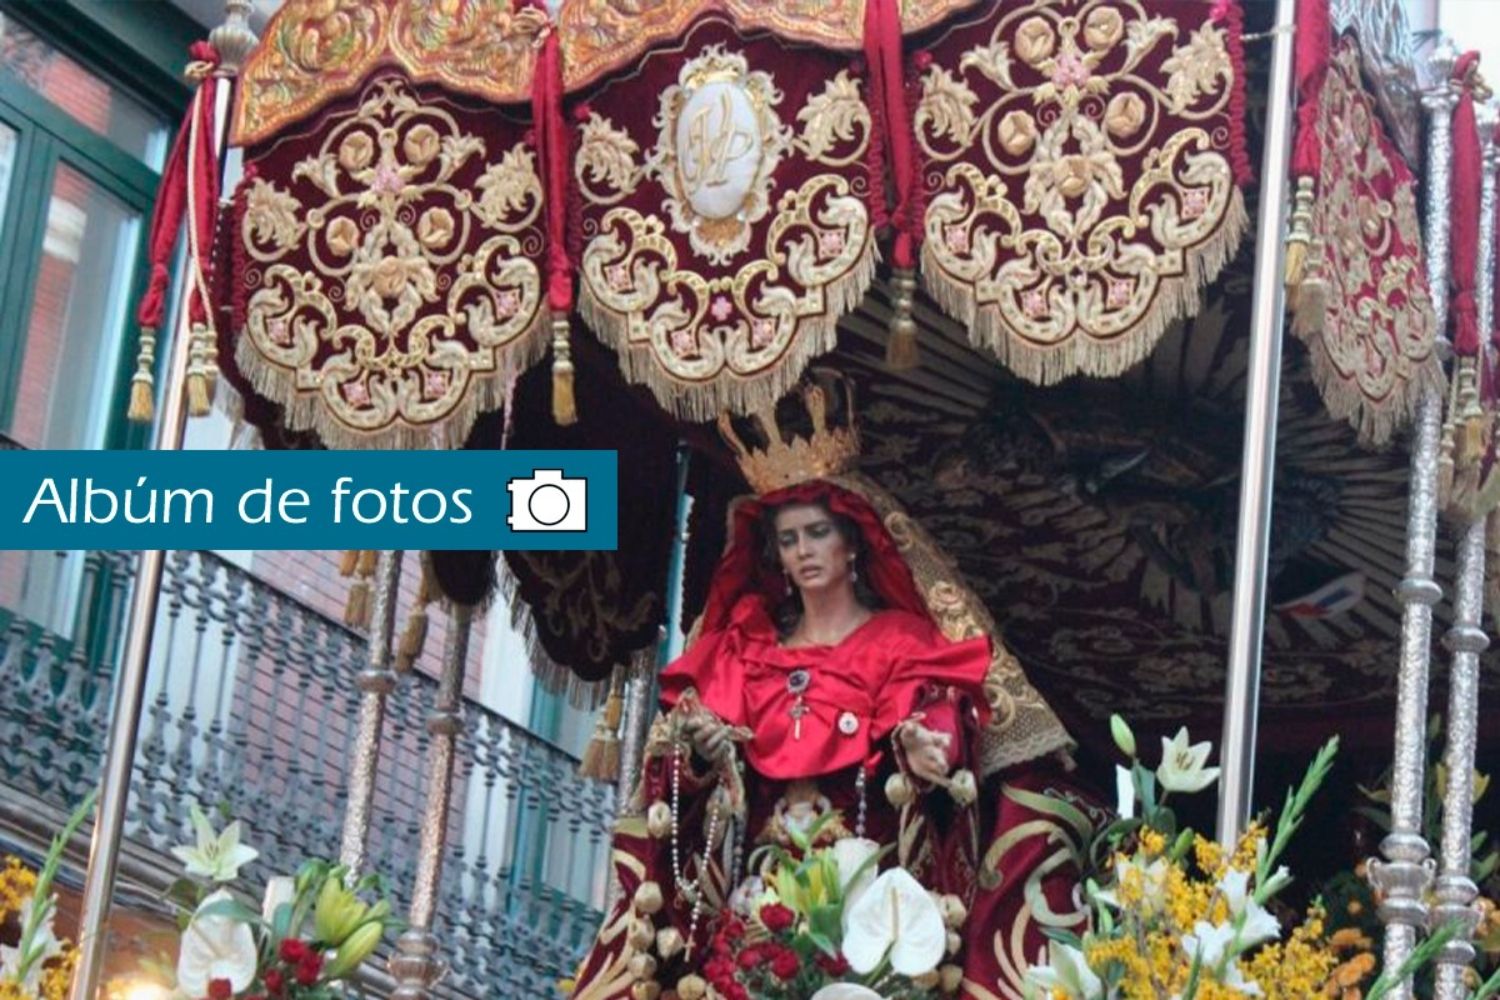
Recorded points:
(834,965)
(292,951)
(776,917)
(749,958)
(737,992)
(275,982)
(308,968)
(220,989)
(786,964)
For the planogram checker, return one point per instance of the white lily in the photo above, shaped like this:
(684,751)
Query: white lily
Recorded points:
(1217,947)
(1066,970)
(216,856)
(1181,768)
(895,917)
(215,947)
(1124,793)
(1153,884)
(1258,924)
(279,889)
(42,947)
(846,991)
(850,854)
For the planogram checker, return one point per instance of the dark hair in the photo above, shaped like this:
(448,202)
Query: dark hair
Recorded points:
(788,613)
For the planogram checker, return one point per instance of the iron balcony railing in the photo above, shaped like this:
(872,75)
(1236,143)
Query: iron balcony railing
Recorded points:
(253,707)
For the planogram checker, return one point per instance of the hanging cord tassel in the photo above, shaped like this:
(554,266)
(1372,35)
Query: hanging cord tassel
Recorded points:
(1446,445)
(901,349)
(143,382)
(1298,238)
(414,636)
(357,606)
(199,399)
(564,403)
(601,759)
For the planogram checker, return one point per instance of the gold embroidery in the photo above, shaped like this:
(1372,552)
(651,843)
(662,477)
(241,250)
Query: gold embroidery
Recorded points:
(737,340)
(393,304)
(1085,272)
(317,50)
(599,36)
(1363,307)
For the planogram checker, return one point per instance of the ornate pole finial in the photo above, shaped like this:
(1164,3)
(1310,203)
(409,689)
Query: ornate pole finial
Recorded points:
(233,39)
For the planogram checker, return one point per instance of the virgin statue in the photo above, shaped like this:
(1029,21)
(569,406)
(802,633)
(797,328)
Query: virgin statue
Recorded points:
(841,683)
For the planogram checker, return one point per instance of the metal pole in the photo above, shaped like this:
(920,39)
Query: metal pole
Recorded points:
(375,682)
(1455,891)
(1405,873)
(1242,685)
(416,965)
(234,41)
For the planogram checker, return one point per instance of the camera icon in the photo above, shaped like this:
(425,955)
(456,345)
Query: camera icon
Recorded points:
(547,501)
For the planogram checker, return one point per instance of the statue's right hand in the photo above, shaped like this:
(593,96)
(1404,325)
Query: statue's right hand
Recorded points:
(708,735)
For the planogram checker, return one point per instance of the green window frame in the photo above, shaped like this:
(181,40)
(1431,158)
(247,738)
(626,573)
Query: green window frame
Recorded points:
(129,45)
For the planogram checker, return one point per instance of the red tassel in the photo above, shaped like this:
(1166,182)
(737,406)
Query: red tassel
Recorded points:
(1314,46)
(1467,183)
(888,89)
(553,137)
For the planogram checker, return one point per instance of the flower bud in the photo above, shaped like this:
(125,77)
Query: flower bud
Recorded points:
(356,948)
(953,978)
(898,790)
(691,988)
(659,820)
(1124,738)
(642,966)
(648,898)
(668,942)
(963,788)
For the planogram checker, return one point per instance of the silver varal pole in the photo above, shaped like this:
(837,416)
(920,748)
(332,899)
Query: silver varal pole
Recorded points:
(1455,890)
(234,40)
(416,966)
(1404,874)
(375,682)
(1242,685)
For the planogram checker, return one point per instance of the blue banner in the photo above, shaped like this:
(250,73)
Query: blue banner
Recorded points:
(538,500)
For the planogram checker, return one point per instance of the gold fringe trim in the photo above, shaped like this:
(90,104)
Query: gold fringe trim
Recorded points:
(727,390)
(1375,420)
(304,410)
(1176,298)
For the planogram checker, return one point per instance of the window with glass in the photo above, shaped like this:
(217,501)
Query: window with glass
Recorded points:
(80,157)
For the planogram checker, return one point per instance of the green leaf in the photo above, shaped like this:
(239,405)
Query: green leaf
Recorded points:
(1420,956)
(233,909)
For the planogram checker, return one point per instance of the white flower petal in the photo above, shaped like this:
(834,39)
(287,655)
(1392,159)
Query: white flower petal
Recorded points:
(1259,926)
(279,889)
(1124,793)
(897,915)
(215,947)
(846,991)
(850,854)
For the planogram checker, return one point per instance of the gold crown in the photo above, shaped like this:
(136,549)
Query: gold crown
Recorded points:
(790,459)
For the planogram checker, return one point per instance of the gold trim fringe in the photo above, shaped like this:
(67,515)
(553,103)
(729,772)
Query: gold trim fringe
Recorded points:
(727,390)
(143,382)
(1177,297)
(305,410)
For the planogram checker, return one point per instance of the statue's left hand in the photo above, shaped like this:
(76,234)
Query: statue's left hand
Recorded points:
(926,750)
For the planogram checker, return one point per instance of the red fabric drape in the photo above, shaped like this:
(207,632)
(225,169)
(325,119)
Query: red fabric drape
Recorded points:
(1467,171)
(192,160)
(552,155)
(888,97)
(1313,46)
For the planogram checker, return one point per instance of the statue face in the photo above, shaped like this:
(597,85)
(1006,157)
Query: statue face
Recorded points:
(811,549)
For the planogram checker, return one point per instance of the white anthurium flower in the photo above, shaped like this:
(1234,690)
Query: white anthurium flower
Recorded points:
(850,854)
(279,889)
(1066,970)
(1258,924)
(43,947)
(216,856)
(895,916)
(846,991)
(1181,768)
(1124,793)
(215,947)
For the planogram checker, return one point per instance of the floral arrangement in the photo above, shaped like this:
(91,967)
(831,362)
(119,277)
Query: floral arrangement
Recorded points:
(39,966)
(312,932)
(826,926)
(1173,914)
